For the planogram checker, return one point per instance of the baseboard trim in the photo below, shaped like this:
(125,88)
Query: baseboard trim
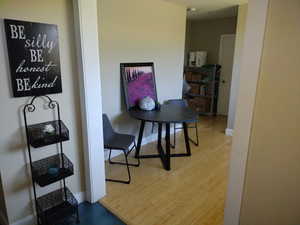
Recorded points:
(28,220)
(31,219)
(80,197)
(229,132)
(3,219)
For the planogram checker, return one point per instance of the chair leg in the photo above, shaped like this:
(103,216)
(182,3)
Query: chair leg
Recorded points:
(127,165)
(138,159)
(174,136)
(121,163)
(109,160)
(190,139)
(77,215)
(152,130)
(128,171)
(197,142)
(197,138)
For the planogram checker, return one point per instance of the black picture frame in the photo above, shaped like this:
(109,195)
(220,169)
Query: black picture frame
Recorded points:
(34,59)
(140,66)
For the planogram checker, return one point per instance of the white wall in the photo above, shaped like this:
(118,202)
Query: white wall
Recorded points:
(140,31)
(271,190)
(236,72)
(250,68)
(13,156)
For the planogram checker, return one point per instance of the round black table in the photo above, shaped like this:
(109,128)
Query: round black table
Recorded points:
(167,114)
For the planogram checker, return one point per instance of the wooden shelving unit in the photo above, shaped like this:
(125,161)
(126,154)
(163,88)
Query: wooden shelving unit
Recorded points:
(59,206)
(204,82)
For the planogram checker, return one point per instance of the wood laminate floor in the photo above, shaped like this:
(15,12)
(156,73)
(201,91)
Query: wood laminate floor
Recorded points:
(192,193)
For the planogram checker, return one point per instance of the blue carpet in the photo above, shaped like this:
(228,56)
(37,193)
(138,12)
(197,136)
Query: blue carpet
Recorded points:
(96,214)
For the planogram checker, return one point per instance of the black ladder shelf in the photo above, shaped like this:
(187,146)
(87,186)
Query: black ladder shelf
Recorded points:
(58,207)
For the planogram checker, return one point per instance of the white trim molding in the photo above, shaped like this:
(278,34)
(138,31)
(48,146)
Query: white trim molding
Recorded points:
(87,43)
(80,197)
(250,69)
(28,220)
(221,46)
(220,63)
(229,132)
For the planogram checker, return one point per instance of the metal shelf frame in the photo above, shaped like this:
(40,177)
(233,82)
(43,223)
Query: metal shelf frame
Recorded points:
(60,202)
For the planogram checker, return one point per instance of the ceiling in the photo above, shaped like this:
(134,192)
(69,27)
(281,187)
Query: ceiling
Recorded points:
(211,9)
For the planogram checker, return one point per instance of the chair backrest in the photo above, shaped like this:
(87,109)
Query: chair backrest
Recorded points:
(108,130)
(179,102)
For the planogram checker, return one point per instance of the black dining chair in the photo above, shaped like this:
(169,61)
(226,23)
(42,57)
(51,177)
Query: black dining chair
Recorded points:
(183,103)
(121,142)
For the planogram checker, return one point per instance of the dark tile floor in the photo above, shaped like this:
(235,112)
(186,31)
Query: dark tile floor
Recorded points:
(96,214)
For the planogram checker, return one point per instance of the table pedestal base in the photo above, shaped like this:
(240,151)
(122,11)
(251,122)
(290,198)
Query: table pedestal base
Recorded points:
(165,156)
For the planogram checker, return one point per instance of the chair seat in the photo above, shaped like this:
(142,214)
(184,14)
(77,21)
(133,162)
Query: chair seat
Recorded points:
(119,141)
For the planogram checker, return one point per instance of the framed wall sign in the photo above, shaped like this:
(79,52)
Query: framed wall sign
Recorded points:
(138,82)
(33,51)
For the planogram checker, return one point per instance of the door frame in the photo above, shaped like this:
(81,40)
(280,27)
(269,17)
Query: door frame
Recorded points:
(250,70)
(85,14)
(221,47)
(219,61)
(88,58)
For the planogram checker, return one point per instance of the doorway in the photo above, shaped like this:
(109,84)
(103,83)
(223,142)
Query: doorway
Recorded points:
(151,202)
(226,55)
(195,184)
